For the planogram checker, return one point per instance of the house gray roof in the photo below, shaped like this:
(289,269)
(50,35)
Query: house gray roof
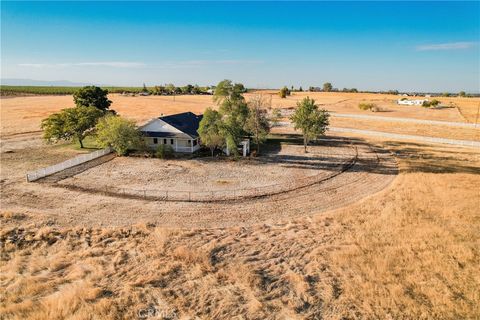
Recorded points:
(187,122)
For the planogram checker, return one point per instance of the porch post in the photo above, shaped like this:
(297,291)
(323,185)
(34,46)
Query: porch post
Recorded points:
(176,147)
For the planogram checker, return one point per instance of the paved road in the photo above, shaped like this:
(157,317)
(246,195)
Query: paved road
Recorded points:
(397,119)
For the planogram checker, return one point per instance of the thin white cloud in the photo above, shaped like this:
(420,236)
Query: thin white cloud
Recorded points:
(203,63)
(123,64)
(112,64)
(446,46)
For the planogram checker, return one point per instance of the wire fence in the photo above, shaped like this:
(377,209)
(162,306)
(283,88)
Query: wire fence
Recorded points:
(41,173)
(220,195)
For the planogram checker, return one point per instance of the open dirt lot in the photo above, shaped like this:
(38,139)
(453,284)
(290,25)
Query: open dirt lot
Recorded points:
(394,237)
(372,170)
(281,168)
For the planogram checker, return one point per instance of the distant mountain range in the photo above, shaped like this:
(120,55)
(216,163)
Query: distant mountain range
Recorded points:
(56,83)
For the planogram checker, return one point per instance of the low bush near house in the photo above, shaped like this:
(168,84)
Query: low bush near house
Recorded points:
(164,151)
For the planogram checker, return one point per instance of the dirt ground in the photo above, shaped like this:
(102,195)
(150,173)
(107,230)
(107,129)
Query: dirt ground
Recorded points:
(372,168)
(276,170)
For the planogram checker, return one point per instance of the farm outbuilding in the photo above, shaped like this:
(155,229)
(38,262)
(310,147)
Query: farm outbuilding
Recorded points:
(178,130)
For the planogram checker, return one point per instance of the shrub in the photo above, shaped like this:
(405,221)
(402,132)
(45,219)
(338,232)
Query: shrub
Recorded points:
(284,92)
(368,106)
(428,104)
(164,151)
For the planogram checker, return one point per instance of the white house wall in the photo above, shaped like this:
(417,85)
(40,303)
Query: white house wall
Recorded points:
(158,125)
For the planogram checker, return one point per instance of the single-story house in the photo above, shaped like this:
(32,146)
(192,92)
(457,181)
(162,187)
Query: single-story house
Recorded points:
(417,102)
(177,130)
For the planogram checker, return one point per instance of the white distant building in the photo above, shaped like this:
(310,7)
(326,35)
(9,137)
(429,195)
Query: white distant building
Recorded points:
(417,102)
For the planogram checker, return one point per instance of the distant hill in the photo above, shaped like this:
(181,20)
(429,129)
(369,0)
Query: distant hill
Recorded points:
(31,82)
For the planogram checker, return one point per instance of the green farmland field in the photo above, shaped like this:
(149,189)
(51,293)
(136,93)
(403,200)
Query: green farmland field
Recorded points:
(48,90)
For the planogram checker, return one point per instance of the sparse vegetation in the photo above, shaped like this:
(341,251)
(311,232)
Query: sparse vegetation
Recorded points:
(369,106)
(275,116)
(430,104)
(257,123)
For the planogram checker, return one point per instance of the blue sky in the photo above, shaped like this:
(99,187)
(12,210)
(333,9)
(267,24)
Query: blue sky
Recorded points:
(424,46)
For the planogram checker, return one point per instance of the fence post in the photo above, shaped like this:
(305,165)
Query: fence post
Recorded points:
(144,194)
(189,196)
(166,195)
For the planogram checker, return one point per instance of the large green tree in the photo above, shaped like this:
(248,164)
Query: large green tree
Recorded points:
(257,123)
(233,110)
(72,123)
(310,120)
(92,96)
(211,130)
(118,133)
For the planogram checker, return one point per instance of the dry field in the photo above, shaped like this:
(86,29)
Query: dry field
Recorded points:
(394,237)
(24,114)
(437,131)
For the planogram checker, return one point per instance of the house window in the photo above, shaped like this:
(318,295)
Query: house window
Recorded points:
(171,141)
(194,142)
(155,140)
(164,141)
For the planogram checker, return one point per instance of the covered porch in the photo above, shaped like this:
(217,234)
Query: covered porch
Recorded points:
(178,144)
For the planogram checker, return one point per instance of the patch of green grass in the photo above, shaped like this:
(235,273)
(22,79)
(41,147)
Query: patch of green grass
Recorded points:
(275,139)
(89,143)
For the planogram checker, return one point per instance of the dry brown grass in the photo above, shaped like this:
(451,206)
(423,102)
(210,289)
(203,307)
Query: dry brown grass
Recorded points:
(438,131)
(409,252)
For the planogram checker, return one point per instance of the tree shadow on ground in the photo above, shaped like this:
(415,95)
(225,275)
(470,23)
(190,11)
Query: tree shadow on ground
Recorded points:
(313,160)
(435,159)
